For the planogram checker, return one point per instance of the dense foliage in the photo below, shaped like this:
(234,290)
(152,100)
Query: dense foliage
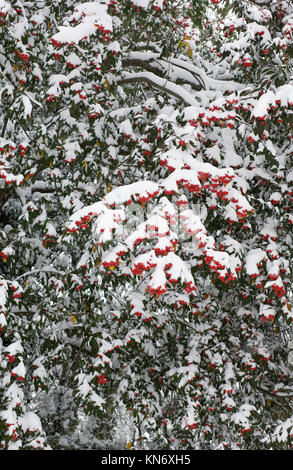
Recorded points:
(146,224)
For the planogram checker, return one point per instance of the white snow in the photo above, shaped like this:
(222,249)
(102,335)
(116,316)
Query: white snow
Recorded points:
(27,105)
(262,106)
(14,348)
(285,94)
(253,258)
(30,421)
(162,84)
(5,7)
(229,371)
(3,298)
(141,3)
(122,194)
(19,370)
(93,15)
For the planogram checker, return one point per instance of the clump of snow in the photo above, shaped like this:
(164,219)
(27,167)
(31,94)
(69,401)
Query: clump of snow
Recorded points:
(30,422)
(5,7)
(14,348)
(263,105)
(140,191)
(253,258)
(141,3)
(92,15)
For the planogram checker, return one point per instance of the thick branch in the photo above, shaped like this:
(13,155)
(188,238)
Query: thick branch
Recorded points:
(178,71)
(156,68)
(162,84)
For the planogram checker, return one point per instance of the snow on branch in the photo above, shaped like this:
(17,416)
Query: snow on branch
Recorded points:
(93,15)
(161,83)
(177,72)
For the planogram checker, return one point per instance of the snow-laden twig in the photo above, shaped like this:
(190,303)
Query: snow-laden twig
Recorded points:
(43,270)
